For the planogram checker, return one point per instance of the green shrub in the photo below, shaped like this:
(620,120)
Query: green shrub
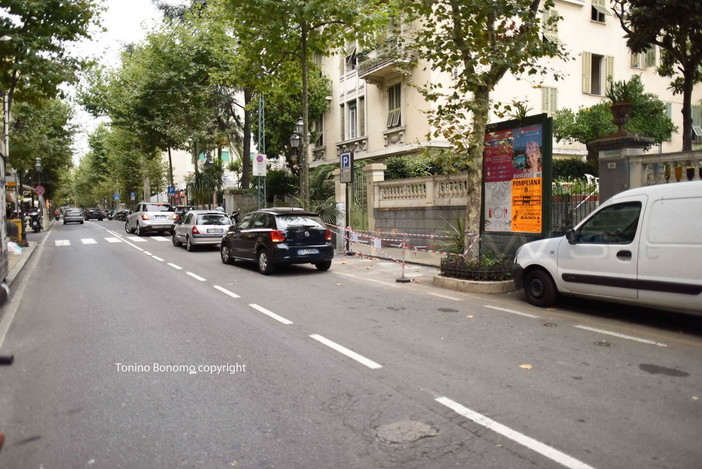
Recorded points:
(487,267)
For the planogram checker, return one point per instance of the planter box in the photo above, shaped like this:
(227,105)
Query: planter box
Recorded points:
(474,286)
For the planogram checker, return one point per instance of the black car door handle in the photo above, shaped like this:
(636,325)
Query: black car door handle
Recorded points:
(624,255)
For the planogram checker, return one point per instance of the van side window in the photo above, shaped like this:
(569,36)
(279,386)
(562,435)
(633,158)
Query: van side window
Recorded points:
(615,224)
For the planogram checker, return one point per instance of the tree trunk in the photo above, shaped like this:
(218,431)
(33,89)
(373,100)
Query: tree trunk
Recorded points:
(475,176)
(687,117)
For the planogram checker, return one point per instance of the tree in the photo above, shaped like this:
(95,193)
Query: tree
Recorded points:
(42,129)
(35,59)
(648,117)
(676,27)
(272,33)
(480,42)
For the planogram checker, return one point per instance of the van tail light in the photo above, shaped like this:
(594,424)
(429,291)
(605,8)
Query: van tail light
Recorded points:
(328,235)
(277,236)
(144,216)
(195,230)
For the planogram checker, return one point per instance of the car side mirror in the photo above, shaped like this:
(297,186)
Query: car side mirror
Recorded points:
(572,236)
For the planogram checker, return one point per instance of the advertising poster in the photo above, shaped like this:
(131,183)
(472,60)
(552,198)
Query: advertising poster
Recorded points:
(513,180)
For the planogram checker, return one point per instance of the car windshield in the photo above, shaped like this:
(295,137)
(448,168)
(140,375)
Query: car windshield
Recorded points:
(299,221)
(213,219)
(159,208)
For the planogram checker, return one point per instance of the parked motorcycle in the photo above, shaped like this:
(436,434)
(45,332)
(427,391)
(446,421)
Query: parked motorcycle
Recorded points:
(34,220)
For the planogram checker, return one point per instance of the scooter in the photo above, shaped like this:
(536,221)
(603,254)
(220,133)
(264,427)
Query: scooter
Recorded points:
(35,221)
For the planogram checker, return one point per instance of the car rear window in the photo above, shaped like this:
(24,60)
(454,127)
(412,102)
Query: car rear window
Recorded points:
(299,221)
(213,219)
(159,208)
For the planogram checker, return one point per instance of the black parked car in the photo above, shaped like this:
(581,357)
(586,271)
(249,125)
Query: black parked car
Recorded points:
(94,214)
(275,236)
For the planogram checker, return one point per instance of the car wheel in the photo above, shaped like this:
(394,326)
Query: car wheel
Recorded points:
(139,230)
(224,254)
(539,288)
(126,228)
(175,241)
(81,222)
(265,266)
(64,222)
(189,244)
(323,266)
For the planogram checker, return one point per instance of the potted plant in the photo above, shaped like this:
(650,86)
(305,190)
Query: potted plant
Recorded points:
(622,95)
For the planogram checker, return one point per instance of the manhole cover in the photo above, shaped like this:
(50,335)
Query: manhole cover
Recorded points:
(603,343)
(408,431)
(550,324)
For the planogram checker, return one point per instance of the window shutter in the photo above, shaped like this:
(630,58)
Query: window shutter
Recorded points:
(651,57)
(587,72)
(361,117)
(609,71)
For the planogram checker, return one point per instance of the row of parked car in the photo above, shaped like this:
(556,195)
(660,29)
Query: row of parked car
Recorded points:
(269,237)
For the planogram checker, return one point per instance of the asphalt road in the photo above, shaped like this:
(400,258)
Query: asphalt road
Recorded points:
(133,353)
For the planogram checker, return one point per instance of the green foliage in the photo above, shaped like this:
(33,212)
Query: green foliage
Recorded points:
(36,59)
(42,129)
(486,267)
(648,116)
(456,241)
(430,162)
(322,183)
(280,184)
(567,169)
(676,28)
(624,91)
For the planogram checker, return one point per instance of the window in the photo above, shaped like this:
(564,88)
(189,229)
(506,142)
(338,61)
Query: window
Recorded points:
(615,224)
(352,119)
(362,116)
(599,11)
(319,132)
(550,26)
(350,60)
(549,101)
(596,69)
(650,57)
(395,105)
(637,60)
(696,112)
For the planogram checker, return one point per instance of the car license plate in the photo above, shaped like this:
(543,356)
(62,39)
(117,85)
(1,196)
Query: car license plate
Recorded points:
(307,252)
(215,230)
(160,217)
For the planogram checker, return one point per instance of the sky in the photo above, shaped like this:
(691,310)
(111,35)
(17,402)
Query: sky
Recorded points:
(126,21)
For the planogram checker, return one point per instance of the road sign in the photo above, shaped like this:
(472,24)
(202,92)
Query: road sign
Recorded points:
(171,190)
(132,195)
(39,190)
(346,166)
(116,196)
(259,166)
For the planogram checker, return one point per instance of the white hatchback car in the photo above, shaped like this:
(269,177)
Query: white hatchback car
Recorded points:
(200,228)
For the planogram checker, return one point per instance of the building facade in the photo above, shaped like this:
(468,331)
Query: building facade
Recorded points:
(375,110)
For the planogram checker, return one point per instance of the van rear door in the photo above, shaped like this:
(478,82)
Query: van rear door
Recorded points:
(670,264)
(603,261)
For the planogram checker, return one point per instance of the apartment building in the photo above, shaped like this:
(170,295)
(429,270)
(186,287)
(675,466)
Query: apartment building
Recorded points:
(375,111)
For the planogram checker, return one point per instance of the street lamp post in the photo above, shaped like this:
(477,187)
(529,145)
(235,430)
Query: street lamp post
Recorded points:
(295,142)
(40,198)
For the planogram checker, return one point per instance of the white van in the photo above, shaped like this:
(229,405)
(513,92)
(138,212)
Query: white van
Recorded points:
(642,246)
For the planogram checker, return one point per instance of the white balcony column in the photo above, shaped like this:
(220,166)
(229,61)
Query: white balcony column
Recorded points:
(374,172)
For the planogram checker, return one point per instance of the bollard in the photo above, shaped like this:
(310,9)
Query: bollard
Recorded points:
(403,279)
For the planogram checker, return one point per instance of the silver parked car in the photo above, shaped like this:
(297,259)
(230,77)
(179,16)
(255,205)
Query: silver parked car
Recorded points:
(200,228)
(151,216)
(73,215)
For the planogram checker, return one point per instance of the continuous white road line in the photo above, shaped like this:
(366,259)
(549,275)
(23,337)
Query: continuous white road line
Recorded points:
(88,241)
(177,267)
(226,292)
(445,296)
(511,311)
(148,253)
(196,277)
(349,353)
(271,314)
(622,336)
(514,435)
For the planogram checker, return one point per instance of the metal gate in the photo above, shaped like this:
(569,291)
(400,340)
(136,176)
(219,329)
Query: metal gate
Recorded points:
(359,201)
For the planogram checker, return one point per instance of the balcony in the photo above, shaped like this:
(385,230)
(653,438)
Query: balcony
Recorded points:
(378,64)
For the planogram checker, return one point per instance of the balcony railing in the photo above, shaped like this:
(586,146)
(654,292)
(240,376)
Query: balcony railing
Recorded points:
(422,192)
(377,64)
